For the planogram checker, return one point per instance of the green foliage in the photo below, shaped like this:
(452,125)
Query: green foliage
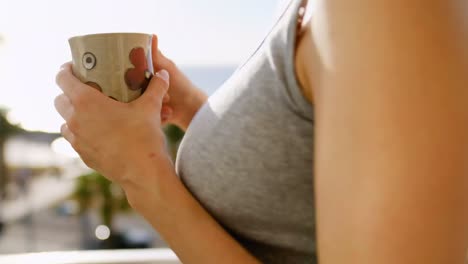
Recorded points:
(36,170)
(84,190)
(173,133)
(6,128)
(95,191)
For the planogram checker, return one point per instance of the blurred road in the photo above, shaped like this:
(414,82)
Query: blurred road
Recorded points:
(35,224)
(48,230)
(43,192)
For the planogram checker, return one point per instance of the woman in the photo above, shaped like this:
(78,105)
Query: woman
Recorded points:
(386,81)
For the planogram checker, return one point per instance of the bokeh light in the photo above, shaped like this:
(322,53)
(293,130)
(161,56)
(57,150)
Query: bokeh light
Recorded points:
(102,232)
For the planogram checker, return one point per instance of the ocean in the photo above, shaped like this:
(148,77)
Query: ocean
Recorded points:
(208,78)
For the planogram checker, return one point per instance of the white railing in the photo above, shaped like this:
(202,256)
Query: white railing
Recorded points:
(127,256)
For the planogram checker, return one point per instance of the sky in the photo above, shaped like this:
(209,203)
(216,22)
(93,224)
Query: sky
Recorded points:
(34,33)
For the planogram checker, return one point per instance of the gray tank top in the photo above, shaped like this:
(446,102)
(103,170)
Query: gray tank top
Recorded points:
(247,155)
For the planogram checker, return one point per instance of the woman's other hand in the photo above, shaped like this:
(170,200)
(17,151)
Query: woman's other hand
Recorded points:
(185,98)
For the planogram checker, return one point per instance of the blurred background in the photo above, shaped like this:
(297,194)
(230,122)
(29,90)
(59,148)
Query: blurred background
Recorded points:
(49,200)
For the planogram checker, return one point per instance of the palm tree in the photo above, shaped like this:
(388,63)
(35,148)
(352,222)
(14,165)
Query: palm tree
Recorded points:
(94,191)
(6,130)
(173,135)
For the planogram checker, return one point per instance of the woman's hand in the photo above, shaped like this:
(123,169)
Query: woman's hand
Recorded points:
(185,98)
(117,139)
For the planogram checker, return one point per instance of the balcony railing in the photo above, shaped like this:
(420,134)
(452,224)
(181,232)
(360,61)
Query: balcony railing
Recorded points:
(133,256)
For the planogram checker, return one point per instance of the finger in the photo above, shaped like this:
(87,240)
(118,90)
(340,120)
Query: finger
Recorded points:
(162,62)
(166,112)
(71,138)
(156,90)
(166,98)
(154,49)
(68,135)
(63,106)
(159,60)
(70,85)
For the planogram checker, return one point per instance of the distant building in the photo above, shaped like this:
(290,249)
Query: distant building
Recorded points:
(33,149)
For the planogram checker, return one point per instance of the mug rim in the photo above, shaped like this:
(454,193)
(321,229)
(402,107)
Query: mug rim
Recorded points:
(108,35)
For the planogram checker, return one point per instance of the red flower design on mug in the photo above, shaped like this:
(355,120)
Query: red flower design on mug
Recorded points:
(139,76)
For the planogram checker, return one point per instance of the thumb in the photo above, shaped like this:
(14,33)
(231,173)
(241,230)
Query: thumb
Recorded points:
(156,90)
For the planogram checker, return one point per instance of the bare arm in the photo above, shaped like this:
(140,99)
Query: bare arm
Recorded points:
(184,224)
(391,96)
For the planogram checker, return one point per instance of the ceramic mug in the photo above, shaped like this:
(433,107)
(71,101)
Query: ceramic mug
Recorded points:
(117,64)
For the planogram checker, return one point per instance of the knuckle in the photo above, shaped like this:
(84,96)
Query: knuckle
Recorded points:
(57,102)
(75,145)
(73,124)
(59,77)
(57,99)
(153,98)
(63,128)
(163,85)
(60,101)
(63,73)
(80,101)
(171,65)
(62,76)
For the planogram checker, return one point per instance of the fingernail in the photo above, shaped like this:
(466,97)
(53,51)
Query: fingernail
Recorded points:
(163,74)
